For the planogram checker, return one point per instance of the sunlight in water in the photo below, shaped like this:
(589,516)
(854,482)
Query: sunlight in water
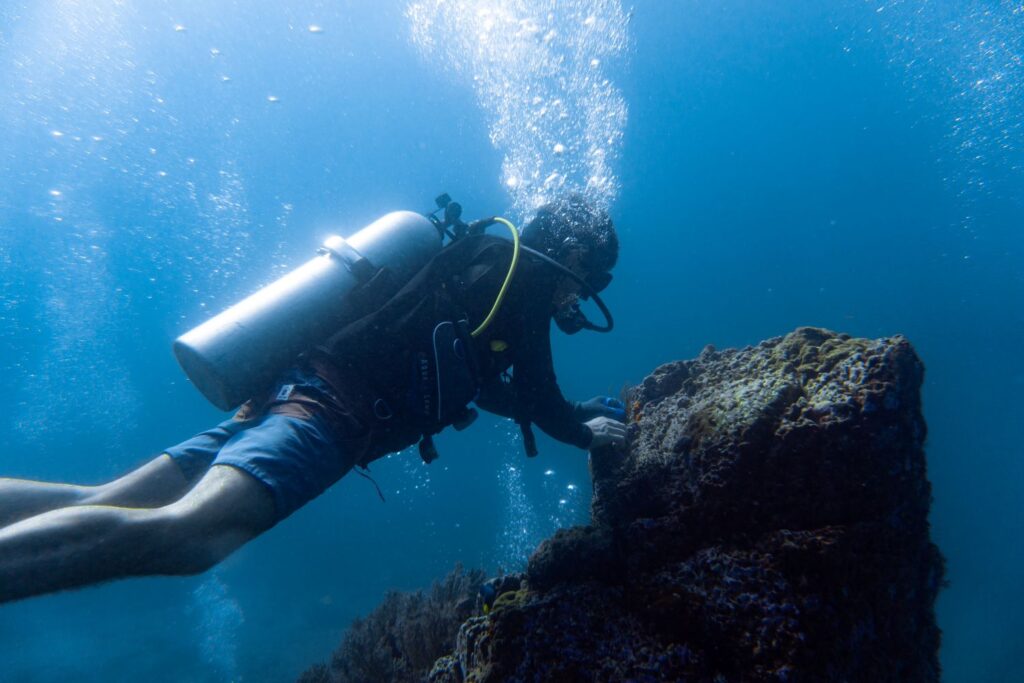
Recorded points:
(88,103)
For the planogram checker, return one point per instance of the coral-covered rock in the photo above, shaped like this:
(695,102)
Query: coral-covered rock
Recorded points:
(768,522)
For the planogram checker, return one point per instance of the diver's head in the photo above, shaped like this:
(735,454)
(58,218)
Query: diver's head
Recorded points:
(581,237)
(571,224)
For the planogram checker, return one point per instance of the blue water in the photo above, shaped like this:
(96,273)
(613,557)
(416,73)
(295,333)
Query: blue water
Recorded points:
(852,165)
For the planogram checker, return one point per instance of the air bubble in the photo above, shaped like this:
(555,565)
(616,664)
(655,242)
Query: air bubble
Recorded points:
(978,50)
(538,85)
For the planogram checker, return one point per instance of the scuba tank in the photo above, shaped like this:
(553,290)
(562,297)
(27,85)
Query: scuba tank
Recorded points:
(238,353)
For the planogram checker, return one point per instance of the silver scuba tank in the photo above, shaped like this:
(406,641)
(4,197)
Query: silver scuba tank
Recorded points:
(241,351)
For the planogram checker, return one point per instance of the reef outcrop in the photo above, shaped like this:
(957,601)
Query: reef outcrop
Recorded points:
(768,522)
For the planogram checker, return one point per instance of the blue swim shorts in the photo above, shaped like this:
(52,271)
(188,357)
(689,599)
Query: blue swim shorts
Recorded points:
(297,458)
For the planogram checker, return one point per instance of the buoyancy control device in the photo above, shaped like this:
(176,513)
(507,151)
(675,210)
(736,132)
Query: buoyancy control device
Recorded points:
(239,352)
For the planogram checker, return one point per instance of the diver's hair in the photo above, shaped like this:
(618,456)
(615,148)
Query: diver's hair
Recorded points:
(574,221)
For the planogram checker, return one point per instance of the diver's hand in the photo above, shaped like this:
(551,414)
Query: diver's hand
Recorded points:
(603,406)
(606,432)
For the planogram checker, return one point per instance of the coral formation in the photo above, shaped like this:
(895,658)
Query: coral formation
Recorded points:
(768,522)
(400,640)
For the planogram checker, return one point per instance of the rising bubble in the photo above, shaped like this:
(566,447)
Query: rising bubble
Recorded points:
(537,69)
(220,619)
(969,57)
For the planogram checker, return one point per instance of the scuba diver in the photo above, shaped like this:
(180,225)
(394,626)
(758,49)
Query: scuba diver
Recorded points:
(472,325)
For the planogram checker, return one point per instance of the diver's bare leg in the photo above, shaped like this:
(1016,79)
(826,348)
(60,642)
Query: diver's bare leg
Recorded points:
(83,545)
(158,482)
(21,498)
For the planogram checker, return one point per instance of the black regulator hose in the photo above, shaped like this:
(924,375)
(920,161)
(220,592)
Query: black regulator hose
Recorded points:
(590,291)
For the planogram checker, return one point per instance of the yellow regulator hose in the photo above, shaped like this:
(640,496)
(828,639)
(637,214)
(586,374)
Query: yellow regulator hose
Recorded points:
(508,278)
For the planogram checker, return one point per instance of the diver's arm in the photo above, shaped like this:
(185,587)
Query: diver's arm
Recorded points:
(554,415)
(539,399)
(497,397)
(568,431)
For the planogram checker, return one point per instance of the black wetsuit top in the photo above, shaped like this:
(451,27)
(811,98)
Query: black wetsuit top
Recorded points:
(369,360)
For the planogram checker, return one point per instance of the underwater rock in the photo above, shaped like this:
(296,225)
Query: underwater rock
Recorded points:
(768,522)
